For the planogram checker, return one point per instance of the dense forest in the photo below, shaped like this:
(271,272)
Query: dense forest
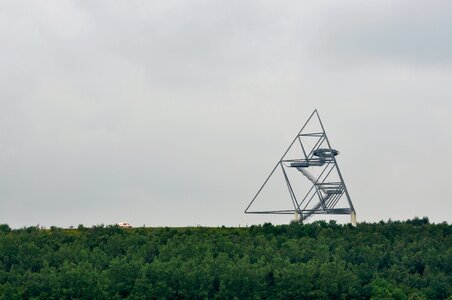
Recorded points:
(387,260)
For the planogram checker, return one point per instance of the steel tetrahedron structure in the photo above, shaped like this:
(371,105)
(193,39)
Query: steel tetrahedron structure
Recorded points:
(312,176)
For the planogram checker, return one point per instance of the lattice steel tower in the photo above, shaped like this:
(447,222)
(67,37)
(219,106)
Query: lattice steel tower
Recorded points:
(311,174)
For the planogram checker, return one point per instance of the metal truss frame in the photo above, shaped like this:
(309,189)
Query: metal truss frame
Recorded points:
(328,192)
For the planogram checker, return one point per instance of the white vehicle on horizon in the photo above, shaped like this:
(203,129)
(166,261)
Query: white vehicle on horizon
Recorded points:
(124,225)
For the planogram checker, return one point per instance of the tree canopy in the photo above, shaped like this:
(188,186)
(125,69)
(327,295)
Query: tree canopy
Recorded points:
(386,260)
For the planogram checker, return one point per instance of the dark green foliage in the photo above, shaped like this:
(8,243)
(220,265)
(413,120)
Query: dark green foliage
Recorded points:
(393,260)
(4,228)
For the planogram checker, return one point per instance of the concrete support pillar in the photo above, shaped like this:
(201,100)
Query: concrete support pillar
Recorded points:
(353,218)
(296,217)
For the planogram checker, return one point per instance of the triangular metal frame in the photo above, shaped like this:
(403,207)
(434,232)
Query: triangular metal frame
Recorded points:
(328,193)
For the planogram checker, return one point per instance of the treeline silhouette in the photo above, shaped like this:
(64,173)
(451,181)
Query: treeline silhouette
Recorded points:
(386,260)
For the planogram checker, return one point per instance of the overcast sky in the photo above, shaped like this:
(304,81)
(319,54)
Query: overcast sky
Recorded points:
(172,113)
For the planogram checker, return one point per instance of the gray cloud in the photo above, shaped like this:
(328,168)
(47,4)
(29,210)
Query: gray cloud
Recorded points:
(173,113)
(395,32)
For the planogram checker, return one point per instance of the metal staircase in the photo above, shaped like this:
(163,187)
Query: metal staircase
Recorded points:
(326,194)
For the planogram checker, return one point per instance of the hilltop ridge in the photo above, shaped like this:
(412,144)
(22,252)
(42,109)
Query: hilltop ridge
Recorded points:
(400,260)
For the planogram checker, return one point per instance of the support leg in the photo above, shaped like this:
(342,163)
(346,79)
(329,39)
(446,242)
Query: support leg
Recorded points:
(353,218)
